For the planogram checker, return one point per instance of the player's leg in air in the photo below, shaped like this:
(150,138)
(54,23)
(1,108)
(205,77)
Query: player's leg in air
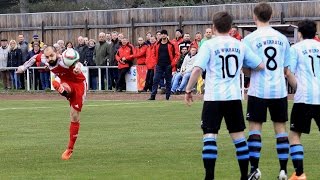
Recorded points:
(62,88)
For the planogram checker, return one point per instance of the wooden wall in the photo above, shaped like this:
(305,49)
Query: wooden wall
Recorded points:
(137,22)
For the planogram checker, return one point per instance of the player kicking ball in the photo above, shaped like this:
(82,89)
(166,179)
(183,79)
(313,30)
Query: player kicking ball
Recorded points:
(72,85)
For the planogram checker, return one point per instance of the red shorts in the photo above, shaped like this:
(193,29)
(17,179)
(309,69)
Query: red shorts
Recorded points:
(78,94)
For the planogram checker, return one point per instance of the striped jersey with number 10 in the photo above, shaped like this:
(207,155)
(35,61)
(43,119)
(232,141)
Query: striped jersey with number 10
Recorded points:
(274,49)
(222,57)
(305,63)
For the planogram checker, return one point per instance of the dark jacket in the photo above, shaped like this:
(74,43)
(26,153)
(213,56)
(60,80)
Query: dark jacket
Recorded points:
(90,61)
(24,49)
(82,50)
(14,58)
(103,53)
(116,44)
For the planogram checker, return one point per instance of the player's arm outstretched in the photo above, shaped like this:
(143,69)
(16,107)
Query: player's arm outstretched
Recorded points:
(27,64)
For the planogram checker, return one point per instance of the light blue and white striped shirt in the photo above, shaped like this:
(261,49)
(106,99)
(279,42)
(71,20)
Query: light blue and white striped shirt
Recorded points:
(274,49)
(305,64)
(222,57)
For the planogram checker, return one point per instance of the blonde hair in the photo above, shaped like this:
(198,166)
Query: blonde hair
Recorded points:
(13,41)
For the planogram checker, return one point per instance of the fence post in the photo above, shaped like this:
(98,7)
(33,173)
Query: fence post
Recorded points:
(180,22)
(86,27)
(132,31)
(28,80)
(42,32)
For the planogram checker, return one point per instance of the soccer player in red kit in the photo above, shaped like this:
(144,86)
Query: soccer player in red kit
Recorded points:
(72,85)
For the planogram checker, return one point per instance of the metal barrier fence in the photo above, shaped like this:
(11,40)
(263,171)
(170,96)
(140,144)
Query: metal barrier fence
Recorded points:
(30,81)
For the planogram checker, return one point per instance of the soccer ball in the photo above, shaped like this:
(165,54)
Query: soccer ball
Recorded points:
(70,56)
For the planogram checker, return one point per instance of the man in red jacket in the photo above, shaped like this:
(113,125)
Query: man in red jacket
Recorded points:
(140,52)
(166,55)
(123,56)
(150,64)
(235,33)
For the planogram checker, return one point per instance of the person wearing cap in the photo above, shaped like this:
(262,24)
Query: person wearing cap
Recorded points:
(36,39)
(4,50)
(178,37)
(166,56)
(71,84)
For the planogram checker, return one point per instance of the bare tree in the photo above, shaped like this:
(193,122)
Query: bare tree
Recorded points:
(24,6)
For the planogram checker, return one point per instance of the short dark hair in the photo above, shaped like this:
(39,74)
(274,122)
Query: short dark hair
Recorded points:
(164,32)
(263,11)
(222,21)
(307,28)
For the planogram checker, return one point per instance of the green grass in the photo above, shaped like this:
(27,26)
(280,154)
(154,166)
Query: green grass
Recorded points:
(124,140)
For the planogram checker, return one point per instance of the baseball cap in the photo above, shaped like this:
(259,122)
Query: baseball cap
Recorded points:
(164,32)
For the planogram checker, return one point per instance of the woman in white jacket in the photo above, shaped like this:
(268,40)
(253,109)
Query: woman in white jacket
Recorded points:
(185,72)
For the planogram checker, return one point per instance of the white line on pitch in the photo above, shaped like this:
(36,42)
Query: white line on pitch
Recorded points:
(89,105)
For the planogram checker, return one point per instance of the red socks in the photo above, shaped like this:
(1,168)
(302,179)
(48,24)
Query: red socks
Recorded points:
(74,128)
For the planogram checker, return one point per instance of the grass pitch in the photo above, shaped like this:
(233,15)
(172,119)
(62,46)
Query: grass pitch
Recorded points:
(124,140)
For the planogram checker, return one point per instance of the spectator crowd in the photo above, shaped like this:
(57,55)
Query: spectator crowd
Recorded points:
(169,61)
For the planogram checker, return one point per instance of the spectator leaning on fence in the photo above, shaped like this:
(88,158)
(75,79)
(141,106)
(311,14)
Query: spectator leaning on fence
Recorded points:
(3,64)
(35,50)
(150,64)
(166,56)
(102,55)
(124,56)
(23,45)
(14,60)
(113,72)
(81,49)
(93,73)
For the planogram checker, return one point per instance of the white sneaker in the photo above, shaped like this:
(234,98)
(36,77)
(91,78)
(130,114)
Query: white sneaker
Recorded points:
(282,175)
(255,175)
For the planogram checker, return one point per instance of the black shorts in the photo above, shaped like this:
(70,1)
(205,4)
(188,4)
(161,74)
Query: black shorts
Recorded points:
(214,111)
(301,116)
(257,109)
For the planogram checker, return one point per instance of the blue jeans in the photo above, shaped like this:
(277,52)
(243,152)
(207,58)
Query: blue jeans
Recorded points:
(15,79)
(184,81)
(45,80)
(159,72)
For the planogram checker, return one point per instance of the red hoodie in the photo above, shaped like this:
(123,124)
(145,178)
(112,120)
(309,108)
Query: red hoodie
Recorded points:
(125,51)
(150,56)
(140,54)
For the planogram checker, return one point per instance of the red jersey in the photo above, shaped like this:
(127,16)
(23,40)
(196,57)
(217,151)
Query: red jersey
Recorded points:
(64,72)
